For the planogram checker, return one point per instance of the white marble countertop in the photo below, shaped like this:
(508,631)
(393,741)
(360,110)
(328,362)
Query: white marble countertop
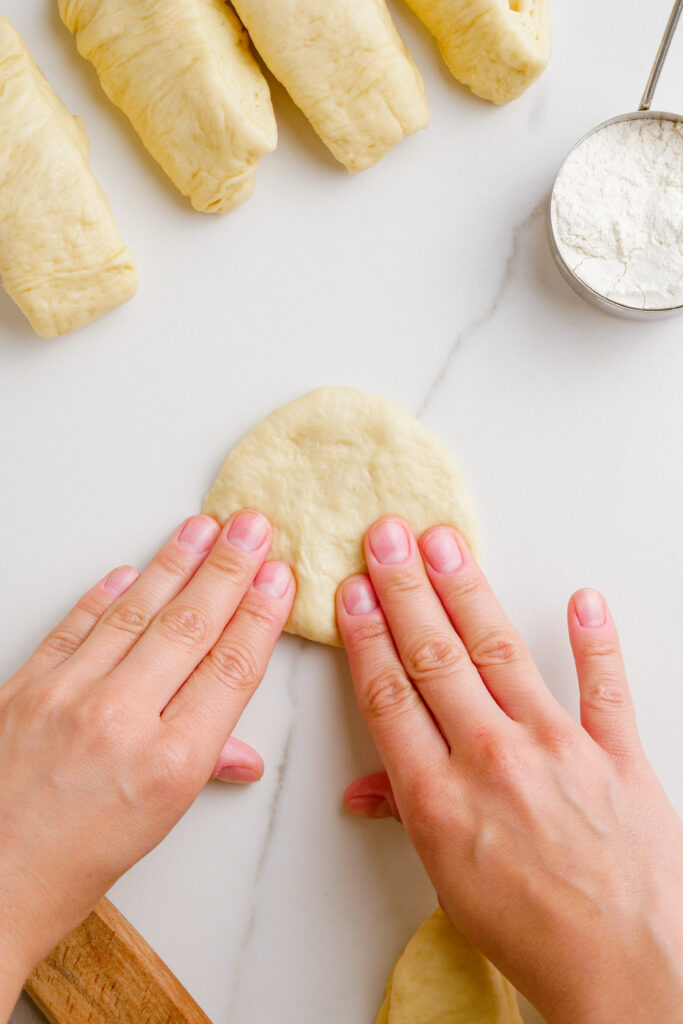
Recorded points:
(428,280)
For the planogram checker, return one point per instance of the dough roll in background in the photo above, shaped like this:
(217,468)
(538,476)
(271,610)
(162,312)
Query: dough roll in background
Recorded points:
(496,47)
(346,67)
(184,74)
(62,258)
(323,468)
(441,977)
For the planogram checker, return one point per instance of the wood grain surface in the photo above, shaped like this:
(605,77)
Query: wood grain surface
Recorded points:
(105,973)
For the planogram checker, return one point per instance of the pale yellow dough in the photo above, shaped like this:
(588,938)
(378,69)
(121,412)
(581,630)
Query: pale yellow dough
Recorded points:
(323,468)
(441,979)
(183,72)
(496,47)
(62,258)
(345,65)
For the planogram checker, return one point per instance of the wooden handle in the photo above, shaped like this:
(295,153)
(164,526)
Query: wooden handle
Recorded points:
(105,973)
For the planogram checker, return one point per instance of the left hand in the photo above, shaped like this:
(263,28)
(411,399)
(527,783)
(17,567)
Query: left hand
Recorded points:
(111,729)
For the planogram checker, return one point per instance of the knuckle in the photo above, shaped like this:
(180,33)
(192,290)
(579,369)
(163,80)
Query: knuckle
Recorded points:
(600,649)
(364,634)
(266,618)
(433,656)
(227,569)
(402,583)
(496,647)
(62,640)
(498,756)
(560,737)
(129,619)
(40,702)
(235,666)
(419,793)
(430,807)
(90,608)
(387,694)
(606,693)
(171,562)
(185,625)
(465,584)
(99,719)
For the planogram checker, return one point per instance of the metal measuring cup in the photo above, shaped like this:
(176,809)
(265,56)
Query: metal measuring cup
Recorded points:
(575,282)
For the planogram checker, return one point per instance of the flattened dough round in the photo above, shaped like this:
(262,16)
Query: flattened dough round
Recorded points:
(323,468)
(441,978)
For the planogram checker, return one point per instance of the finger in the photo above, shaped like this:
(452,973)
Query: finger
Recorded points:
(238,763)
(184,632)
(71,633)
(209,705)
(371,797)
(495,648)
(607,712)
(404,732)
(168,572)
(431,651)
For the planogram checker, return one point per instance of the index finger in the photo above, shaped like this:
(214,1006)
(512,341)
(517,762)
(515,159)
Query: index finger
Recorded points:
(209,705)
(404,732)
(183,632)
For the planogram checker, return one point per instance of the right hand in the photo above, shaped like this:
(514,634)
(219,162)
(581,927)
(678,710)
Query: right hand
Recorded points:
(551,844)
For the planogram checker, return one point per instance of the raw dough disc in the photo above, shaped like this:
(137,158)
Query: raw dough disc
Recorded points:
(441,978)
(323,468)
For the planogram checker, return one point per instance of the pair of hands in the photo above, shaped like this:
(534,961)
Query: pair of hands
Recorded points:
(550,844)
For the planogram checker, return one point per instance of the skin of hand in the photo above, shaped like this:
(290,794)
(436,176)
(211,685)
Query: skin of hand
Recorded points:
(550,843)
(110,730)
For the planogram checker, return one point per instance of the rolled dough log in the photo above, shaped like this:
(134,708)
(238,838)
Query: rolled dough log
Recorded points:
(440,977)
(345,65)
(183,73)
(62,258)
(323,468)
(496,47)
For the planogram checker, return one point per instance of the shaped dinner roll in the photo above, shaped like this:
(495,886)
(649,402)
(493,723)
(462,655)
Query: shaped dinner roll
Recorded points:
(183,73)
(496,47)
(441,978)
(345,65)
(62,259)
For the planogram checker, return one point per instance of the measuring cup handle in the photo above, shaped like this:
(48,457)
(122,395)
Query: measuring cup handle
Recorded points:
(669,31)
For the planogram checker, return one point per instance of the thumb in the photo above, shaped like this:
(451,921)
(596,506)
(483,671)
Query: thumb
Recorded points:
(238,762)
(371,797)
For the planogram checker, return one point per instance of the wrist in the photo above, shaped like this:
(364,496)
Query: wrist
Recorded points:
(12,978)
(638,979)
(18,957)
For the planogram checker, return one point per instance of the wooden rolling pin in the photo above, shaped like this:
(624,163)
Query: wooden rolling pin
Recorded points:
(105,973)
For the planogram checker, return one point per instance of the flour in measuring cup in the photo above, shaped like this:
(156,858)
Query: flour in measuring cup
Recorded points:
(617,212)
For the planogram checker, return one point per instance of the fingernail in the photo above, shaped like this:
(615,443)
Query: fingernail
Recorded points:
(273,579)
(198,534)
(369,807)
(247,531)
(441,551)
(237,773)
(359,597)
(118,581)
(590,609)
(389,543)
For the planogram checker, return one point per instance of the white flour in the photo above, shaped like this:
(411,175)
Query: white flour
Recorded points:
(617,212)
